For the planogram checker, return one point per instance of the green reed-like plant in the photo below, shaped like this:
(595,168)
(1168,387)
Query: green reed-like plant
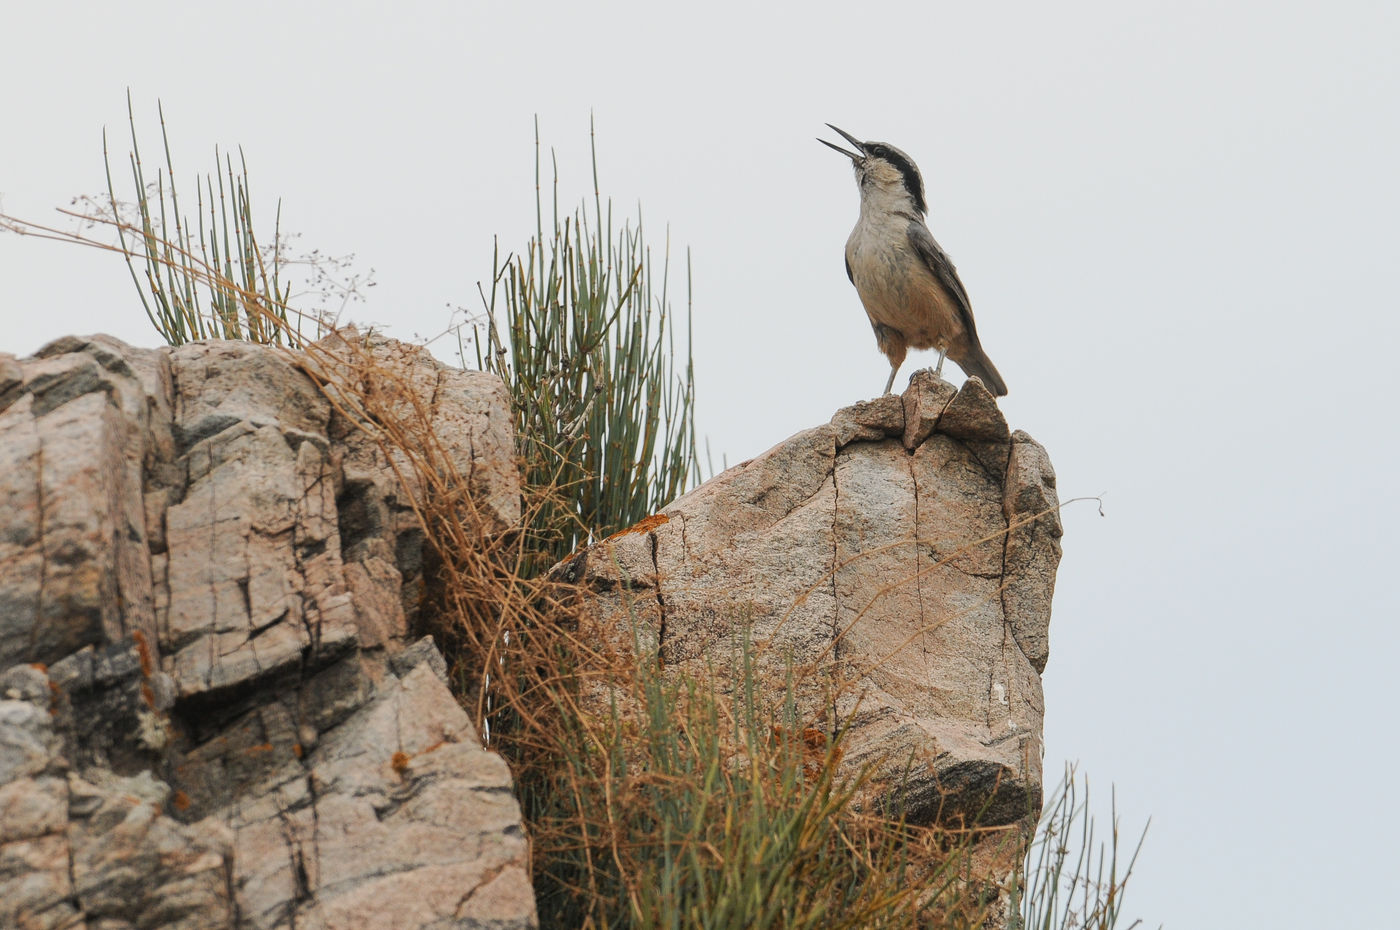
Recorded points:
(1071,879)
(213,278)
(580,327)
(197,281)
(676,803)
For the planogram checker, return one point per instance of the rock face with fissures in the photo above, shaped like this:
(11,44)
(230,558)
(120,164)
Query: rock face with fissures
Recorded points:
(897,562)
(212,710)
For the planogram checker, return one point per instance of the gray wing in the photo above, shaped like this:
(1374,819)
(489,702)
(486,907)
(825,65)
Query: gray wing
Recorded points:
(937,262)
(849,276)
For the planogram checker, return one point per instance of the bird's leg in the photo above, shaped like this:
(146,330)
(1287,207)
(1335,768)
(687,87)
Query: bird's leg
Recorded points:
(938,369)
(893,344)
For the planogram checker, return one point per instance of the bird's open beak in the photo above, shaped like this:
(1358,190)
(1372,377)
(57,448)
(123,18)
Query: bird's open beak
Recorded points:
(860,146)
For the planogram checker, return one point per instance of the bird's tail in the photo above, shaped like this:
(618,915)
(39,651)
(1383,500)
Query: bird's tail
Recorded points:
(978,364)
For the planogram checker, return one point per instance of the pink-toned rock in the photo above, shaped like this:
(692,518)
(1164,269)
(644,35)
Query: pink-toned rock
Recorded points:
(75,852)
(71,464)
(901,557)
(227,722)
(213,712)
(463,414)
(924,402)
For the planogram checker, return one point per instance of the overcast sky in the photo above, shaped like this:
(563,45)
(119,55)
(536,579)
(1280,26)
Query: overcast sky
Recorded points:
(1176,221)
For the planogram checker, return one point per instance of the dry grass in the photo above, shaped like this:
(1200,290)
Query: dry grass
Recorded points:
(651,799)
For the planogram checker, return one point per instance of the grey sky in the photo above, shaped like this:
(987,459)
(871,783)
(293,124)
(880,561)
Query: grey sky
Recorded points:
(1176,222)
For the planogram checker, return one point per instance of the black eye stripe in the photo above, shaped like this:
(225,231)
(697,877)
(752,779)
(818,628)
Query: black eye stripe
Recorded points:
(913,183)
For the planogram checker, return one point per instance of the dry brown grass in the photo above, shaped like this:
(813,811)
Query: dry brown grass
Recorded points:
(651,799)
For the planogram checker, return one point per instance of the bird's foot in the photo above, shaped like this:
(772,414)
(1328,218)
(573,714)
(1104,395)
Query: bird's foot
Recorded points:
(930,370)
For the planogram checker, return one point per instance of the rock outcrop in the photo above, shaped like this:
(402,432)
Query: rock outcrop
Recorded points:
(901,559)
(213,712)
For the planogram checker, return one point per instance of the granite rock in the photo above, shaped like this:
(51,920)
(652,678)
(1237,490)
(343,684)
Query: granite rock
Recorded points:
(901,560)
(213,709)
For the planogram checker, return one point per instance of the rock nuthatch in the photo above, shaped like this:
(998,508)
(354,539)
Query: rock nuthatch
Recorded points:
(910,289)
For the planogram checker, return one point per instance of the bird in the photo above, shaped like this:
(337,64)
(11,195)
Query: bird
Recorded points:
(909,287)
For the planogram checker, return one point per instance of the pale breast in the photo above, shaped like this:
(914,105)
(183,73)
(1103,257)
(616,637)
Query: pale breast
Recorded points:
(899,292)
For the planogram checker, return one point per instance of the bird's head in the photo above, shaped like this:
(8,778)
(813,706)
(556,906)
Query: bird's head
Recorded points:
(886,175)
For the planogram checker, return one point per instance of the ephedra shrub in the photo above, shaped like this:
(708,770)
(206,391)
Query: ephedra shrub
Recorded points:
(675,803)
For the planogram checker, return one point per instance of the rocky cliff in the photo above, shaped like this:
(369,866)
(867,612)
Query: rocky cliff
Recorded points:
(214,711)
(899,562)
